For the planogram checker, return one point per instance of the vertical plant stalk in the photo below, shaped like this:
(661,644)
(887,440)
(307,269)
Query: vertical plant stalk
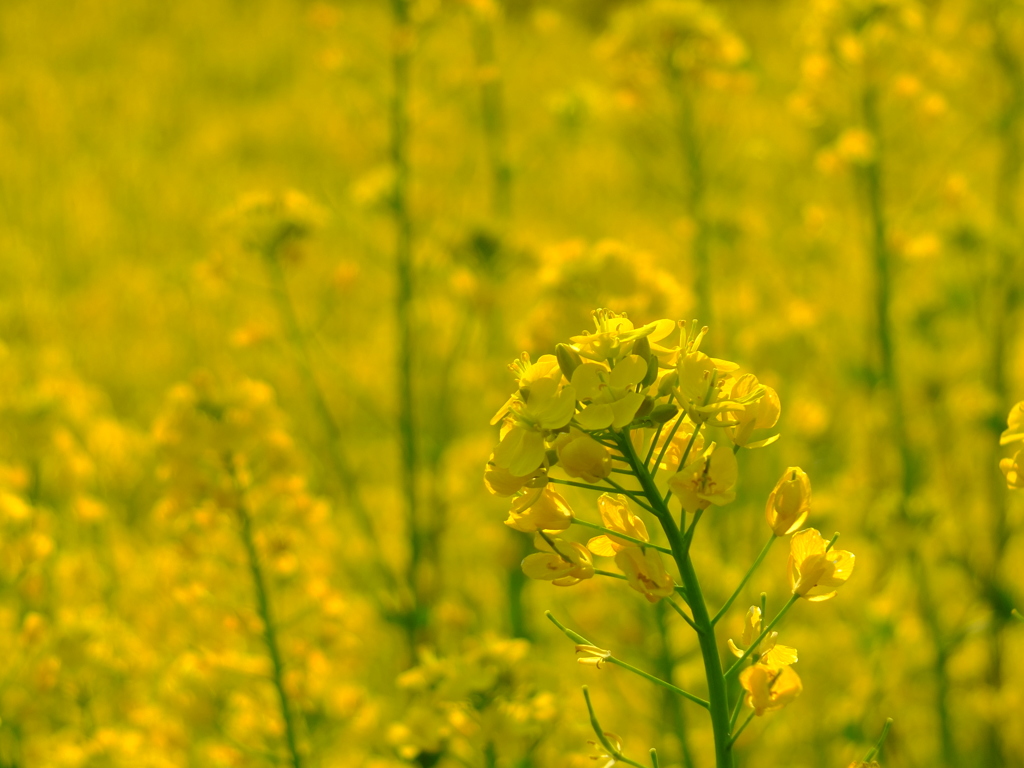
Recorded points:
(492,115)
(1001,303)
(401,65)
(718,702)
(666,671)
(343,471)
(265,614)
(693,166)
(888,375)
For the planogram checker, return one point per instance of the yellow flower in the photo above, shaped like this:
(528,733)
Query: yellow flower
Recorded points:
(501,482)
(710,479)
(566,564)
(761,413)
(592,655)
(611,392)
(789,502)
(539,509)
(681,438)
(1013,468)
(616,515)
(770,688)
(614,335)
(861,764)
(1015,426)
(772,653)
(815,573)
(646,572)
(582,456)
(546,406)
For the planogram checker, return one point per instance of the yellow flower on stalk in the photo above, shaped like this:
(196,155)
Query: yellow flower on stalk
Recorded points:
(710,479)
(789,503)
(582,456)
(617,516)
(1015,425)
(592,655)
(646,572)
(772,654)
(501,482)
(564,564)
(815,572)
(539,509)
(1013,468)
(614,336)
(681,438)
(613,399)
(760,413)
(770,688)
(546,406)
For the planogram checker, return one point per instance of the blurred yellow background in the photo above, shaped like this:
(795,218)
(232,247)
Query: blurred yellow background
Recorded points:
(264,265)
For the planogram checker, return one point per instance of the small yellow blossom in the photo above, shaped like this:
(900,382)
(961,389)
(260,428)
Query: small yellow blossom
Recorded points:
(815,573)
(1013,468)
(539,509)
(709,480)
(582,456)
(772,653)
(566,564)
(789,502)
(617,516)
(602,758)
(762,413)
(501,482)
(646,572)
(547,407)
(613,399)
(1014,432)
(770,688)
(614,336)
(592,655)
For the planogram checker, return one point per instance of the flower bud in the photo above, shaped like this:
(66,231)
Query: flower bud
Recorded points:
(789,503)
(668,383)
(652,372)
(568,360)
(642,347)
(663,413)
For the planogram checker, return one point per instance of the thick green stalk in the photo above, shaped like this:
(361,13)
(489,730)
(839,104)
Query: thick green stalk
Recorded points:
(718,700)
(267,618)
(401,62)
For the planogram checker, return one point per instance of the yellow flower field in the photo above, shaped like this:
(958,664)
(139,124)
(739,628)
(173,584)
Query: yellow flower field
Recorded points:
(511,383)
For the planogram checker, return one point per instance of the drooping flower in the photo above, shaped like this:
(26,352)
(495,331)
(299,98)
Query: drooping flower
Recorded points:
(617,516)
(563,564)
(592,655)
(789,503)
(770,688)
(772,653)
(501,482)
(1015,426)
(814,571)
(582,456)
(708,480)
(539,509)
(1013,469)
(646,572)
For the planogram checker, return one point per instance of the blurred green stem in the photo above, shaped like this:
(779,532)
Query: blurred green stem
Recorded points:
(872,176)
(492,114)
(401,64)
(265,613)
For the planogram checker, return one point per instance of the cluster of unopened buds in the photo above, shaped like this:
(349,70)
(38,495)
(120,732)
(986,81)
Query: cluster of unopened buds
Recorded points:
(654,425)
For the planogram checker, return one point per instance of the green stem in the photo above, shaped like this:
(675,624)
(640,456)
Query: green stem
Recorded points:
(718,703)
(598,488)
(580,640)
(266,616)
(875,750)
(596,725)
(666,670)
(742,728)
(746,578)
(616,534)
(492,113)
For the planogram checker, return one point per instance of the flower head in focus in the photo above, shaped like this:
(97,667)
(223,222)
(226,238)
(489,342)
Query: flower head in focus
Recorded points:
(815,572)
